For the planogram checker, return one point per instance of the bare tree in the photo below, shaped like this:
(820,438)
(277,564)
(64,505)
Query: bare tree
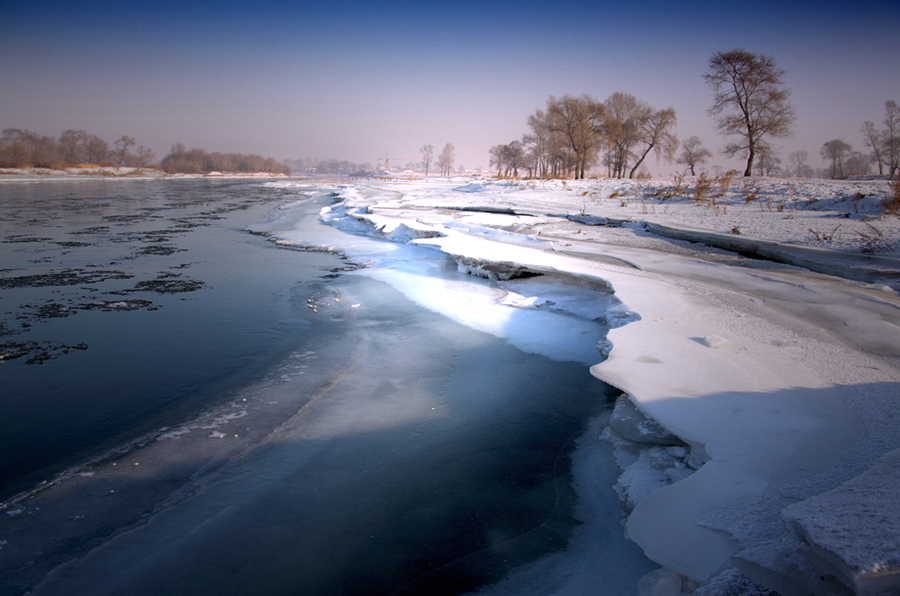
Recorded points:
(623,115)
(546,146)
(145,156)
(749,101)
(797,164)
(768,162)
(96,149)
(72,145)
(22,147)
(122,145)
(875,140)
(45,151)
(837,151)
(446,159)
(655,134)
(539,143)
(15,148)
(857,164)
(427,152)
(892,136)
(580,122)
(632,129)
(693,154)
(513,157)
(498,154)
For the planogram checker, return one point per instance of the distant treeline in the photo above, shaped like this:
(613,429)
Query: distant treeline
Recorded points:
(328,166)
(197,161)
(22,148)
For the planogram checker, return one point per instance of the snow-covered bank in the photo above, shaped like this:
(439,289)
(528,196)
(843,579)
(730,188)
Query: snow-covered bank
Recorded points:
(785,381)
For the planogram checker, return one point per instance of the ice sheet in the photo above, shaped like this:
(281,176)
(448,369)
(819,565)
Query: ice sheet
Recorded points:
(764,366)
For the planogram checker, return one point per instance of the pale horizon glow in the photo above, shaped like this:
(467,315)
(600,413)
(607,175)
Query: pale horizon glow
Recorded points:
(360,81)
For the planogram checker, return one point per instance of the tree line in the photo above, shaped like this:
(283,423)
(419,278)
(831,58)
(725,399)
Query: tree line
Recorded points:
(573,133)
(21,148)
(444,161)
(884,145)
(197,161)
(751,108)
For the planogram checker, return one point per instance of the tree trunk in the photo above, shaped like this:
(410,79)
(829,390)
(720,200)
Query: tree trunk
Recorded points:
(640,161)
(751,154)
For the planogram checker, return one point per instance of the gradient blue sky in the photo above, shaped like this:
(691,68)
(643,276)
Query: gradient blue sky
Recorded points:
(358,80)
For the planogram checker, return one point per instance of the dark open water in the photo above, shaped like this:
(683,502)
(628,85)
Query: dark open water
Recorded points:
(288,429)
(171,300)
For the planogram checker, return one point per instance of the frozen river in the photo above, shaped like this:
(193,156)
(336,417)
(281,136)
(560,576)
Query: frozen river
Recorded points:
(238,417)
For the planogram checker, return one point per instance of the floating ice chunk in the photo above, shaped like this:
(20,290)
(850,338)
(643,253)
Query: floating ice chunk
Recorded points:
(647,469)
(517,301)
(631,424)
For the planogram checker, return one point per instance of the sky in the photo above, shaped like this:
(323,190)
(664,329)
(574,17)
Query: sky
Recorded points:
(362,81)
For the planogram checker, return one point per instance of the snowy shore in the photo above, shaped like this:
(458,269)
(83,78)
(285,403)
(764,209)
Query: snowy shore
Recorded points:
(778,371)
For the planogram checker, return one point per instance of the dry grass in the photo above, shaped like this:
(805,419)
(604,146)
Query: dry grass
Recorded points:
(703,195)
(874,240)
(751,193)
(891,200)
(701,189)
(825,236)
(725,181)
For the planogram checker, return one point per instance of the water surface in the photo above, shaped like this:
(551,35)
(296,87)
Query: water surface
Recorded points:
(307,430)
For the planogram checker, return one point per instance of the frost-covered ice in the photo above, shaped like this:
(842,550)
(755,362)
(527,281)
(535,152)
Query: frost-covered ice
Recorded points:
(779,383)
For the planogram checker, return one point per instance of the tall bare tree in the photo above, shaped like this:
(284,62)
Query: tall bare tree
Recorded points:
(122,145)
(837,150)
(875,140)
(540,143)
(427,152)
(96,149)
(514,157)
(892,136)
(655,134)
(623,116)
(550,145)
(693,154)
(72,145)
(767,162)
(750,101)
(498,154)
(446,159)
(580,122)
(797,164)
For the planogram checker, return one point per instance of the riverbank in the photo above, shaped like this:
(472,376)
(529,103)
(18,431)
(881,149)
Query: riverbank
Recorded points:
(784,380)
(114,172)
